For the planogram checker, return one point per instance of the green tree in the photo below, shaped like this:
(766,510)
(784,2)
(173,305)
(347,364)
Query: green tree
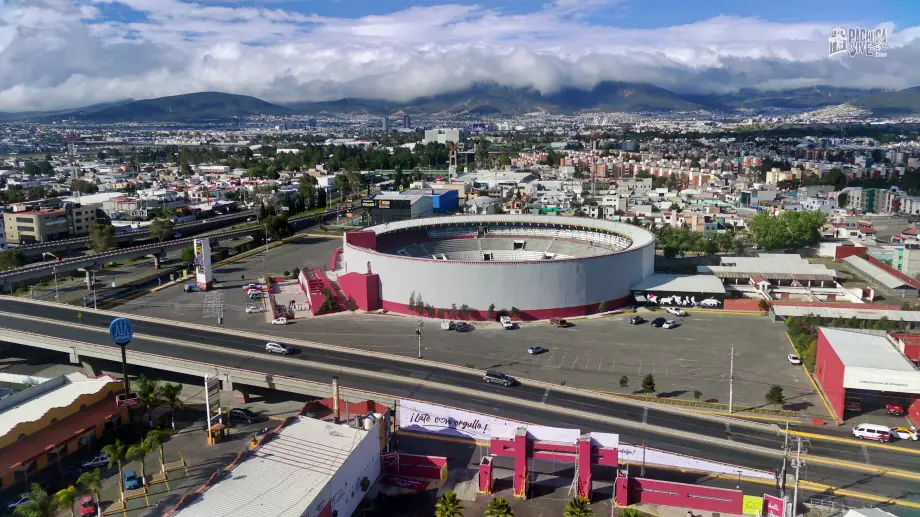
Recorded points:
(170,395)
(65,498)
(499,507)
(103,237)
(11,259)
(624,381)
(148,393)
(602,307)
(775,395)
(187,255)
(648,383)
(138,453)
(91,481)
(419,304)
(491,313)
(412,301)
(277,225)
(161,229)
(579,507)
(448,505)
(515,312)
(38,505)
(116,454)
(763,305)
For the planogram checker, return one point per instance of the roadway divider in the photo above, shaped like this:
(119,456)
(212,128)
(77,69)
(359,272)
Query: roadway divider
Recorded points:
(376,355)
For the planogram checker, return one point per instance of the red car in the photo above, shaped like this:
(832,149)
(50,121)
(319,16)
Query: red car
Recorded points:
(895,409)
(87,506)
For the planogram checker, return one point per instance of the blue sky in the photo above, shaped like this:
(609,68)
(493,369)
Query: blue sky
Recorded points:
(80,52)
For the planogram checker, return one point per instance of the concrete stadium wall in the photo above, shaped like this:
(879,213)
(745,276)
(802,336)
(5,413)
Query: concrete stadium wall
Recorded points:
(539,289)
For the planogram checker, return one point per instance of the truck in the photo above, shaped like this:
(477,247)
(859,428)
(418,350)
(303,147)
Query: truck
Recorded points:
(506,322)
(447,325)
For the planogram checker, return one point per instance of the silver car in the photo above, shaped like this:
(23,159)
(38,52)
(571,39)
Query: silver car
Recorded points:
(278,348)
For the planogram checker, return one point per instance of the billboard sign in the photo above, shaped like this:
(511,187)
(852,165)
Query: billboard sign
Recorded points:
(383,203)
(367,203)
(429,418)
(773,506)
(751,505)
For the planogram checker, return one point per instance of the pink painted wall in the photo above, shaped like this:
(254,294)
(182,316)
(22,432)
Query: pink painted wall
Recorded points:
(829,374)
(428,467)
(526,315)
(363,288)
(485,475)
(682,495)
(363,239)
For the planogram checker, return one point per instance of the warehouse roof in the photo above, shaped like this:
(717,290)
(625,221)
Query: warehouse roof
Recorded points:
(861,350)
(868,313)
(876,273)
(770,265)
(31,404)
(681,284)
(284,476)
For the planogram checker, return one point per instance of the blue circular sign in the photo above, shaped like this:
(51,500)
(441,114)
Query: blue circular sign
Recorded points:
(121,331)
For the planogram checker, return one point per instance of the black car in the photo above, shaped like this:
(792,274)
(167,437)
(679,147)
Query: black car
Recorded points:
(636,320)
(463,327)
(658,322)
(243,415)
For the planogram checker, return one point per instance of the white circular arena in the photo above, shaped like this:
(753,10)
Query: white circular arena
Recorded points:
(543,266)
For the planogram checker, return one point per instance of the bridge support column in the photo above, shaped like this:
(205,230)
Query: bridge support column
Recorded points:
(156,262)
(74,356)
(240,393)
(583,466)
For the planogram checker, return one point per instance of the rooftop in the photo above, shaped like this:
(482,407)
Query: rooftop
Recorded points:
(865,312)
(877,273)
(681,283)
(301,458)
(857,349)
(29,405)
(770,265)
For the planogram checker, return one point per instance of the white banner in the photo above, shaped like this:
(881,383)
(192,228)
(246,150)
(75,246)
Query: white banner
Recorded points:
(430,418)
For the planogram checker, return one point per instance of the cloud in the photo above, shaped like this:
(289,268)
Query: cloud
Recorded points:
(66,53)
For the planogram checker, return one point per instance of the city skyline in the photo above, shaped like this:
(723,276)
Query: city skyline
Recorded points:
(69,53)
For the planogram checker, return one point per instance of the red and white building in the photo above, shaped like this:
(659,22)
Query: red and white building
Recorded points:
(860,372)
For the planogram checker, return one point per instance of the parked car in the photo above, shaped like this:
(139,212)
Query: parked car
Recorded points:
(905,433)
(463,327)
(19,502)
(250,219)
(99,461)
(279,321)
(657,322)
(252,290)
(506,322)
(669,324)
(177,235)
(131,480)
(677,311)
(87,506)
(559,322)
(881,433)
(536,350)
(496,377)
(243,415)
(794,359)
(255,295)
(278,348)
(895,409)
(250,286)
(636,320)
(255,309)
(191,288)
(447,325)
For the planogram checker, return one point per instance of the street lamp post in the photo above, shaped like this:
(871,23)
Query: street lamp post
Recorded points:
(418,332)
(57,297)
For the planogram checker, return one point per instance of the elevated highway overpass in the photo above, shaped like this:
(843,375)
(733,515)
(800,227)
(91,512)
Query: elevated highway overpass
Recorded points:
(238,358)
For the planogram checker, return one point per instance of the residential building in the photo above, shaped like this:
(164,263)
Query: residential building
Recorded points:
(397,206)
(56,418)
(442,136)
(29,227)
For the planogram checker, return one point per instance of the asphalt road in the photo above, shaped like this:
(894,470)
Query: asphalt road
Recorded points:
(294,367)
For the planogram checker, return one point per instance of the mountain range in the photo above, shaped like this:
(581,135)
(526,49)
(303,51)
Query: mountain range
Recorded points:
(490,99)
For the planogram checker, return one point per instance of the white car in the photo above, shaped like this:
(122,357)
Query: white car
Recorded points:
(279,321)
(278,348)
(669,324)
(794,359)
(677,311)
(21,501)
(905,433)
(249,287)
(255,309)
(99,461)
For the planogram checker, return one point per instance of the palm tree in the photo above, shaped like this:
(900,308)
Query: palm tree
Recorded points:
(579,507)
(148,393)
(91,481)
(65,498)
(630,512)
(139,454)
(38,505)
(116,453)
(448,505)
(170,395)
(499,507)
(156,438)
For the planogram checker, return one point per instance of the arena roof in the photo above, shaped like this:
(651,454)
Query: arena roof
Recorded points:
(681,284)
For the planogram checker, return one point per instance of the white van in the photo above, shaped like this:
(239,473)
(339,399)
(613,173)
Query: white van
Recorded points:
(872,432)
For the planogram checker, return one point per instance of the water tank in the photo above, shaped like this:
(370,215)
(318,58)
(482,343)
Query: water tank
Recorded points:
(369,422)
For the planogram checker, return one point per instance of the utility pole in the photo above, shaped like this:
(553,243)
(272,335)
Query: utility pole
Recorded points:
(798,465)
(731,381)
(644,447)
(418,332)
(782,473)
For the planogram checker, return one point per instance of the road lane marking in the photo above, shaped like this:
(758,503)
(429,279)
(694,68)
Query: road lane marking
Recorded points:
(574,362)
(587,362)
(600,364)
(545,396)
